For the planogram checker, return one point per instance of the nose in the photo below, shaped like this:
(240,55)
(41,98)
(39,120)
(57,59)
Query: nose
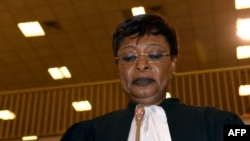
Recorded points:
(142,63)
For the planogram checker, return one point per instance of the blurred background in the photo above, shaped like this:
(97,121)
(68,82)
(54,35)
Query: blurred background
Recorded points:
(77,37)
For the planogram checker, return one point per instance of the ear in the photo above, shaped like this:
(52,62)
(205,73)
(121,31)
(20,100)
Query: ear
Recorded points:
(118,71)
(173,64)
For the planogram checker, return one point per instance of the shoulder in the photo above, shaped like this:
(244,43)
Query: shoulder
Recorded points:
(206,122)
(84,130)
(78,131)
(205,113)
(215,115)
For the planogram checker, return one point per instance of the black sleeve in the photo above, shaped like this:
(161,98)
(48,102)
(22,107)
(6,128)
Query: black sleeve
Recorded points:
(217,121)
(80,131)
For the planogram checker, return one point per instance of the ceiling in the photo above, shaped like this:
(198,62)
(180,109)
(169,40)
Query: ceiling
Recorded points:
(79,34)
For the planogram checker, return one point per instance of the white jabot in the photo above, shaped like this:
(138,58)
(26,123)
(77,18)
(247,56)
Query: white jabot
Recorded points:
(154,126)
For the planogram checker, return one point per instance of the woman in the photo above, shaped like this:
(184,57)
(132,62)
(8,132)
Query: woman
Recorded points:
(146,49)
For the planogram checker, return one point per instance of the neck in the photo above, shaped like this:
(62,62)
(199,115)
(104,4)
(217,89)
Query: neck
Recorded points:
(148,102)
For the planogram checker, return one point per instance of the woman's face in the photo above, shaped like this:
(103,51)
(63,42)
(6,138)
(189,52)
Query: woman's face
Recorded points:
(145,79)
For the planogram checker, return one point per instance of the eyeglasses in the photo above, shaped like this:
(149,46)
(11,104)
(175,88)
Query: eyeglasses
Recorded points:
(152,57)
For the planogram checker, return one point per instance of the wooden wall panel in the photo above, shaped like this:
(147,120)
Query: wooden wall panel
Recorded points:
(48,111)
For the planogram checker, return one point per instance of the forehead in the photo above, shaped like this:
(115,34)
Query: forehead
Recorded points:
(144,41)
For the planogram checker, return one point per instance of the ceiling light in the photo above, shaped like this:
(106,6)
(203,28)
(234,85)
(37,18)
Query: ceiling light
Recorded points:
(65,72)
(81,105)
(29,138)
(7,115)
(243,52)
(138,10)
(31,29)
(242,4)
(243,28)
(59,73)
(244,90)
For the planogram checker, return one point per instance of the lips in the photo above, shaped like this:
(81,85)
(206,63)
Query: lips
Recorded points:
(143,81)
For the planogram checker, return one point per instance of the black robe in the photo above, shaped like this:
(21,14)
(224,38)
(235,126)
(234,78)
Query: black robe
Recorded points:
(186,123)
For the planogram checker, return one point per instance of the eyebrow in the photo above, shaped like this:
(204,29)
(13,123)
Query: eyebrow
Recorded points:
(146,45)
(153,44)
(127,47)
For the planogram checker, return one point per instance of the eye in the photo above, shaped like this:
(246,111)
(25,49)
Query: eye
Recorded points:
(155,55)
(129,57)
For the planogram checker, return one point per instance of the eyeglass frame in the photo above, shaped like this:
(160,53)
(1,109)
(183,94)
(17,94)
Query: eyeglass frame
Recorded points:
(141,54)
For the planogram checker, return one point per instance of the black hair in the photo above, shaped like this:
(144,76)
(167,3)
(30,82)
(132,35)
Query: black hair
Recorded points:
(142,25)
